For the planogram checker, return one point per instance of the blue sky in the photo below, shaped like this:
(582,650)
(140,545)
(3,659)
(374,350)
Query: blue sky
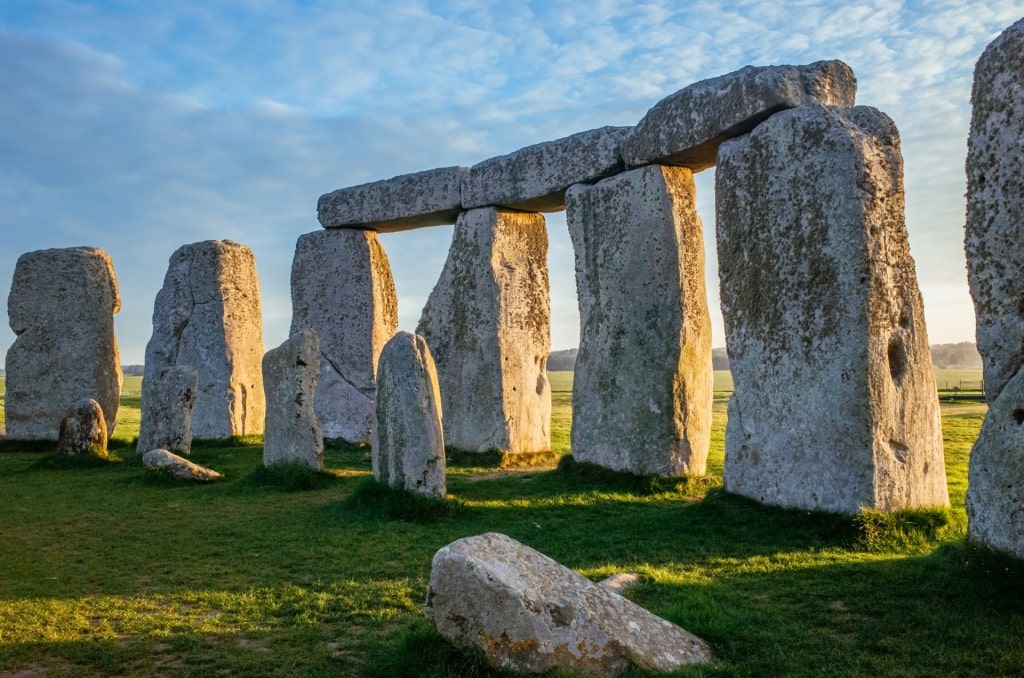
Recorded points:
(137,127)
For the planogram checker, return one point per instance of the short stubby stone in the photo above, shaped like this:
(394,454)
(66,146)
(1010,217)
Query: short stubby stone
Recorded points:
(292,431)
(429,198)
(643,304)
(342,288)
(995,207)
(207,315)
(83,430)
(535,178)
(179,467)
(61,307)
(408,441)
(525,612)
(686,128)
(488,325)
(167,401)
(995,267)
(835,406)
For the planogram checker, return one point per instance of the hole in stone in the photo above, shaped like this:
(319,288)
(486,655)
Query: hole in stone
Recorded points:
(897,358)
(1018,415)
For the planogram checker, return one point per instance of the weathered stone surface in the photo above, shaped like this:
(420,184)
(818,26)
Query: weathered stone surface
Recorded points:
(83,430)
(643,385)
(535,178)
(167,401)
(995,267)
(408,441)
(488,325)
(207,315)
(342,288)
(995,207)
(179,467)
(687,127)
(61,307)
(835,406)
(527,613)
(415,200)
(290,373)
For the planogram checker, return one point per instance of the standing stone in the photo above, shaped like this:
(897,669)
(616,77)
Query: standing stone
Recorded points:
(83,430)
(835,406)
(167,402)
(208,316)
(995,267)
(61,307)
(290,373)
(408,441)
(525,612)
(342,288)
(488,324)
(643,386)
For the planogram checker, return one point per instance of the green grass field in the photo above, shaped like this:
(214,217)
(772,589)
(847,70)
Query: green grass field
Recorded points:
(105,571)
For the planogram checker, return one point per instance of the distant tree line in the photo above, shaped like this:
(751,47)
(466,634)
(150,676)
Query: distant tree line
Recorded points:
(962,356)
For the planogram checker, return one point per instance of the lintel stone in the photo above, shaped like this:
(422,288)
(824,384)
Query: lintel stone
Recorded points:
(535,178)
(686,128)
(430,198)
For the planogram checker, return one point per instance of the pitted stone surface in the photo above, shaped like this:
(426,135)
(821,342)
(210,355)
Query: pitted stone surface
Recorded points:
(179,467)
(835,406)
(207,315)
(643,304)
(290,373)
(61,307)
(488,325)
(995,266)
(687,127)
(535,178)
(408,441)
(343,289)
(167,402)
(995,207)
(429,198)
(527,613)
(83,430)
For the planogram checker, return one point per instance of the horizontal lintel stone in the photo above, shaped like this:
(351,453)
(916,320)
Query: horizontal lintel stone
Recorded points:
(430,198)
(686,128)
(535,178)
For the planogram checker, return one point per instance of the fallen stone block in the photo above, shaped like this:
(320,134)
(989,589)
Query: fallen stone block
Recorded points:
(179,467)
(686,128)
(167,402)
(527,613)
(429,198)
(408,440)
(83,430)
(535,178)
(292,432)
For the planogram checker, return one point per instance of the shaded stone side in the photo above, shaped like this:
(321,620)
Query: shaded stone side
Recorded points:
(167,402)
(343,289)
(535,178)
(687,127)
(61,308)
(643,384)
(429,198)
(207,315)
(83,430)
(995,267)
(488,325)
(835,406)
(292,432)
(408,440)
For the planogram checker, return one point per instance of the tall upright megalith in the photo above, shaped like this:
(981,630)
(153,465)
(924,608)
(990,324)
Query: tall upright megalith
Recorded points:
(835,406)
(342,288)
(642,391)
(488,325)
(207,315)
(61,307)
(292,433)
(995,267)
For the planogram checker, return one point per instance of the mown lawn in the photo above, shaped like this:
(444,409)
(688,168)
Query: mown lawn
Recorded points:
(104,571)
